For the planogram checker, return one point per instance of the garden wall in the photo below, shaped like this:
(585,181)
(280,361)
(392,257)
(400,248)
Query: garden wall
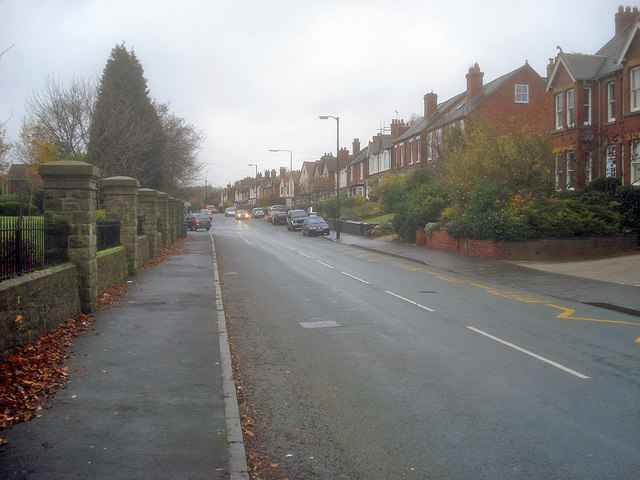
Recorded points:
(543,249)
(112,267)
(36,303)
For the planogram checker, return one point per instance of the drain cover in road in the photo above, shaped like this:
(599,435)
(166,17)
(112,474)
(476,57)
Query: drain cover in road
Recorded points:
(322,324)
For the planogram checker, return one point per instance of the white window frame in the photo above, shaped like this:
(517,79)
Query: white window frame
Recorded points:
(588,167)
(634,89)
(559,103)
(611,161)
(611,102)
(570,176)
(587,106)
(559,171)
(635,163)
(411,151)
(521,93)
(361,171)
(571,107)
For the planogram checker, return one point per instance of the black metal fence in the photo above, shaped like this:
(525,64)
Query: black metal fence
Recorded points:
(28,244)
(108,234)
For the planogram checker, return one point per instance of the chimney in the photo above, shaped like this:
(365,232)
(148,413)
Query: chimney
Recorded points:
(273,174)
(430,104)
(625,17)
(474,82)
(283,172)
(356,146)
(550,66)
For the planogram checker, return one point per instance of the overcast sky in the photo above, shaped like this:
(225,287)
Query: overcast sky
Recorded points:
(255,75)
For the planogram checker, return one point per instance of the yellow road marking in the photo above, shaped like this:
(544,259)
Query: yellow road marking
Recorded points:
(568,312)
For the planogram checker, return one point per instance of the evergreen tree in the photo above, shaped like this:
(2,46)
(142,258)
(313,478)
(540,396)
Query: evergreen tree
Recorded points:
(126,135)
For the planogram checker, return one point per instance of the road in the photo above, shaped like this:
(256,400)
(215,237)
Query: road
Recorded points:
(366,366)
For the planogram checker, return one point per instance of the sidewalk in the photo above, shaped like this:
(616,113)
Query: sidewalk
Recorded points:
(146,397)
(612,283)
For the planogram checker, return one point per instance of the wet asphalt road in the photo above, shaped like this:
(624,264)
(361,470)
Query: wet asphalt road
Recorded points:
(367,366)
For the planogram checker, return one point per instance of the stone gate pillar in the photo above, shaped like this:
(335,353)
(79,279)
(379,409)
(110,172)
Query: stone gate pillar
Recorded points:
(147,208)
(163,218)
(70,196)
(121,204)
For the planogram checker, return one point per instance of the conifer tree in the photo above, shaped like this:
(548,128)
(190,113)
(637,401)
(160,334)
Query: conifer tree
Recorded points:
(126,136)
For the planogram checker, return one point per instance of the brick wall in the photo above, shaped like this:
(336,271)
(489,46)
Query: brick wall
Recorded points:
(544,249)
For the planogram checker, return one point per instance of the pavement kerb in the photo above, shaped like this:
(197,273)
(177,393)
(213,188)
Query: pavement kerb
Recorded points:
(238,469)
(557,295)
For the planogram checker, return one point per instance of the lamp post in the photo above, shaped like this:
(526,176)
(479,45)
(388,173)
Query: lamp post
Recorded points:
(337,119)
(290,167)
(256,182)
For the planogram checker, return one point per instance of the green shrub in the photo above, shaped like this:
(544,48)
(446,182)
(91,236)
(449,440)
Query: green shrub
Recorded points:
(628,198)
(381,230)
(571,217)
(10,209)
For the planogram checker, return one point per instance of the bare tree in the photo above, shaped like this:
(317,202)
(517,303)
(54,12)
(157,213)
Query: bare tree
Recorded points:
(183,143)
(5,146)
(62,114)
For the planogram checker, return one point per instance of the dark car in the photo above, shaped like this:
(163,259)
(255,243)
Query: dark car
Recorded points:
(314,225)
(279,217)
(194,221)
(257,213)
(295,219)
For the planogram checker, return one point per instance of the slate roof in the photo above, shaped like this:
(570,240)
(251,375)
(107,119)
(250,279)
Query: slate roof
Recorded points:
(584,67)
(384,143)
(457,108)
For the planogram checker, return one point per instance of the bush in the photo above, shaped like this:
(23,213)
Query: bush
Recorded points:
(381,230)
(628,198)
(571,217)
(10,209)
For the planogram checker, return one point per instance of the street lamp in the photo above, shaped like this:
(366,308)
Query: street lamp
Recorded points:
(290,166)
(256,183)
(337,119)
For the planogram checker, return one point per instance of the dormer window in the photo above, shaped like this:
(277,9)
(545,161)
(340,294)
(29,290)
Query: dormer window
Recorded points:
(522,93)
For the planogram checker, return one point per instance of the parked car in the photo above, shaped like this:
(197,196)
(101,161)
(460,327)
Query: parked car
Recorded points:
(194,221)
(212,209)
(314,225)
(271,211)
(230,212)
(279,217)
(295,219)
(204,211)
(242,215)
(257,213)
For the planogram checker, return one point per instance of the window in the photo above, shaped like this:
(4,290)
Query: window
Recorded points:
(571,166)
(522,93)
(559,171)
(611,161)
(559,111)
(586,112)
(401,149)
(570,108)
(588,167)
(634,87)
(611,102)
(362,171)
(411,152)
(635,163)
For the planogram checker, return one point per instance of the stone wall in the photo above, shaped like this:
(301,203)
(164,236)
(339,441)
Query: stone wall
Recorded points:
(112,267)
(544,249)
(38,302)
(35,303)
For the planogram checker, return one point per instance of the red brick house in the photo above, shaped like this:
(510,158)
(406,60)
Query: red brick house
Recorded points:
(518,96)
(597,109)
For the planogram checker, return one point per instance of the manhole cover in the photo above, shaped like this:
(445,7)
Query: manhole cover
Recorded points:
(322,324)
